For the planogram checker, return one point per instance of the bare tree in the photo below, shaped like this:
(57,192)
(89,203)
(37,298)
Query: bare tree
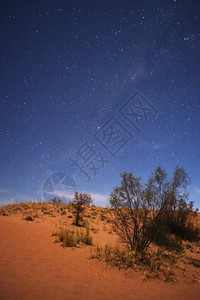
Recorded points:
(79,203)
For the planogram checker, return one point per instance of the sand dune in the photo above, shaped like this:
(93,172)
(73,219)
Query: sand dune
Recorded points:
(34,267)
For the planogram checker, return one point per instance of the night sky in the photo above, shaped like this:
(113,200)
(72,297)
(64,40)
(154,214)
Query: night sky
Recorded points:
(90,89)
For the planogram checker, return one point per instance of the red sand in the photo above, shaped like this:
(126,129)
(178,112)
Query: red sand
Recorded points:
(33,267)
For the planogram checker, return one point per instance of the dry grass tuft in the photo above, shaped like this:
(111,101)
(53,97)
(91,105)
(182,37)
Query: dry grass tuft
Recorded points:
(71,238)
(157,264)
(114,256)
(160,264)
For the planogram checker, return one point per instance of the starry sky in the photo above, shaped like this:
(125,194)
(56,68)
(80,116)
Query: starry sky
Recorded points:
(90,89)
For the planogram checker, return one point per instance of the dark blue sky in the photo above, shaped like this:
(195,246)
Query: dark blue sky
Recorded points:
(66,69)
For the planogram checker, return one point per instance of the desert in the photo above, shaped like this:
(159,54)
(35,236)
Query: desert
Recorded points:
(34,266)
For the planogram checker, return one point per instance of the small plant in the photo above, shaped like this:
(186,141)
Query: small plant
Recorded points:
(94,230)
(29,218)
(102,217)
(154,264)
(3,213)
(71,238)
(56,200)
(78,207)
(195,262)
(114,256)
(159,264)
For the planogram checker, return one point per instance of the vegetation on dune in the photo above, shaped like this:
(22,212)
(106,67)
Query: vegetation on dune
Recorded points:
(56,200)
(151,220)
(71,238)
(156,212)
(79,203)
(29,218)
(154,264)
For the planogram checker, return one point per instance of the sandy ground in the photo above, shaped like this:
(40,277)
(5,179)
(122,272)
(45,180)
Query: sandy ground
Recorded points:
(32,266)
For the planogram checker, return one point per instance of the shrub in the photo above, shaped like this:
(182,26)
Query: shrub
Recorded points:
(170,242)
(130,213)
(56,200)
(114,256)
(175,214)
(3,213)
(71,238)
(154,264)
(29,218)
(160,264)
(195,262)
(78,207)
(187,232)
(151,213)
